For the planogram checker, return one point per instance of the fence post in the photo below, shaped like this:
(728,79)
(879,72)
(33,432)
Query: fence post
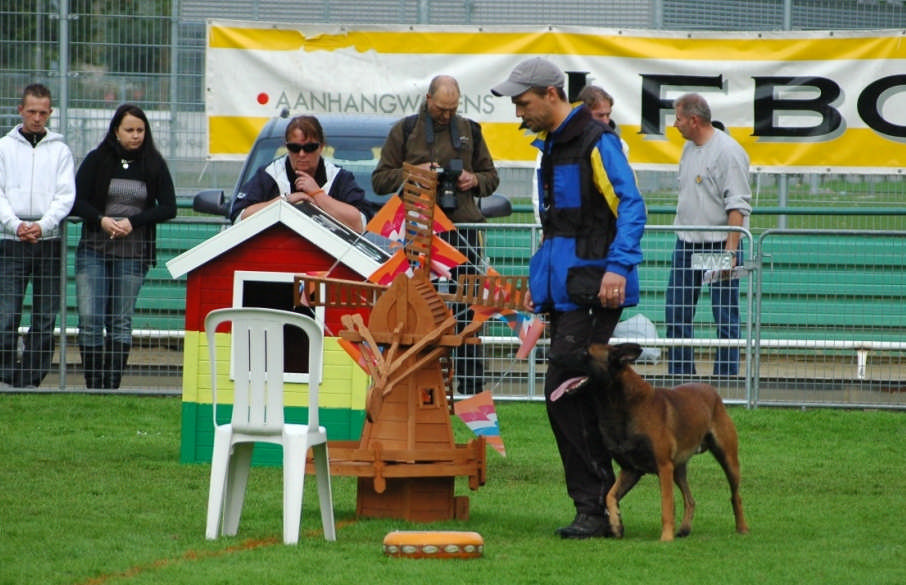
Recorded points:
(63,309)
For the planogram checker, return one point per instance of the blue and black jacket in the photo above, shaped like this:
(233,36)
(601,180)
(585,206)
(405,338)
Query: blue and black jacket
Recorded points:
(592,216)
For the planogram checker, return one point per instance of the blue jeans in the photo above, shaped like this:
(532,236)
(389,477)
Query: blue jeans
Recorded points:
(107,288)
(20,263)
(683,290)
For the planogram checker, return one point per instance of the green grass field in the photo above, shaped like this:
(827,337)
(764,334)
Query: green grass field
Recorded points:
(92,493)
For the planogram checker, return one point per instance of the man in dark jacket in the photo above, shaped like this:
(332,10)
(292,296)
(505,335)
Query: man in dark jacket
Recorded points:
(585,271)
(438,139)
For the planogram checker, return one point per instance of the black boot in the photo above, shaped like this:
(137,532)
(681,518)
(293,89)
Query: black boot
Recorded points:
(93,365)
(115,356)
(587,526)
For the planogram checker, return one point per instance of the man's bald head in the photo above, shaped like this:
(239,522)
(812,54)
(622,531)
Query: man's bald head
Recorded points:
(443,99)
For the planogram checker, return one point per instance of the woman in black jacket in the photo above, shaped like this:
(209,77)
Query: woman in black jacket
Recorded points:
(123,189)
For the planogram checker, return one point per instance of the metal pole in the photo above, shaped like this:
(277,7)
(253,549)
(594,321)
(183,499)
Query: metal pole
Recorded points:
(174,75)
(783,192)
(64,123)
(64,66)
(39,39)
(63,311)
(783,182)
(424,11)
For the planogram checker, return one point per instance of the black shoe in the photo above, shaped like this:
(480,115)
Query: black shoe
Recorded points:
(586,526)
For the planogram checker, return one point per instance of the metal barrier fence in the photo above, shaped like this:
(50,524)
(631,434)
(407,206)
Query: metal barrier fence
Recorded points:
(820,313)
(94,57)
(830,325)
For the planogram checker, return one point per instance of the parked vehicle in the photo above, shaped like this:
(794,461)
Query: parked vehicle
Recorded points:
(353,142)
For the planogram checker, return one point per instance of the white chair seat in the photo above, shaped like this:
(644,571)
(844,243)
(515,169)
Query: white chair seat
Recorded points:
(257,338)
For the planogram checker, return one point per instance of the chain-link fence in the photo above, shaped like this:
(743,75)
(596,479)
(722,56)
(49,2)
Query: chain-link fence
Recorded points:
(96,54)
(821,318)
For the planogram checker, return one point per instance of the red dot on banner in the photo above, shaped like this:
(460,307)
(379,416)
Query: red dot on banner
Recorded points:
(263,98)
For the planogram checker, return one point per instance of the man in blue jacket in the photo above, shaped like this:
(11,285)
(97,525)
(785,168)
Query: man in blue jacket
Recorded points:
(585,271)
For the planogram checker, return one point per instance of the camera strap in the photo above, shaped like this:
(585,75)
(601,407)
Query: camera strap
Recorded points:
(455,137)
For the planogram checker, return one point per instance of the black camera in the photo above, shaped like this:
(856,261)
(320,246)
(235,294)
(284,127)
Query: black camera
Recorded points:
(447,178)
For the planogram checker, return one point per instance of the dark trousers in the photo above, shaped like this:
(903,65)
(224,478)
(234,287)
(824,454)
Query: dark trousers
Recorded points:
(468,361)
(587,464)
(39,264)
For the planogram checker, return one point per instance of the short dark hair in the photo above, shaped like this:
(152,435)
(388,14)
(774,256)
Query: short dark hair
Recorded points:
(541,91)
(308,125)
(36,90)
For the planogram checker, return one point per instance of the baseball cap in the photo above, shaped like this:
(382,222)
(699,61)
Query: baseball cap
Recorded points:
(535,72)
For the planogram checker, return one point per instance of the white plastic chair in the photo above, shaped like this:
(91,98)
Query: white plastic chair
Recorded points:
(258,417)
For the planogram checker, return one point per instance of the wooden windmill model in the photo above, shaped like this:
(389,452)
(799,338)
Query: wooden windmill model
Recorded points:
(406,459)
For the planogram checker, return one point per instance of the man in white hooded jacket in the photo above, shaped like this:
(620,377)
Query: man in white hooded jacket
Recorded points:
(37,190)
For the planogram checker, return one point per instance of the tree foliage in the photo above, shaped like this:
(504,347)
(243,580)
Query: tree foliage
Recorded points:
(112,36)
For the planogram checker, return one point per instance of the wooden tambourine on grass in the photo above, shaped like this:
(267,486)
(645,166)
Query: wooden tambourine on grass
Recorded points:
(432,544)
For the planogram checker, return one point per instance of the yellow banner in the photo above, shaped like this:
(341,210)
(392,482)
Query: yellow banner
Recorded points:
(810,101)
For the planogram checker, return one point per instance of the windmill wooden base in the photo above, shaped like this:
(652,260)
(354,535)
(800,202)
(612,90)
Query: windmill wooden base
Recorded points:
(406,460)
(417,491)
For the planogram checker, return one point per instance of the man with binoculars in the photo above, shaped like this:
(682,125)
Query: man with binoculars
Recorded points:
(436,138)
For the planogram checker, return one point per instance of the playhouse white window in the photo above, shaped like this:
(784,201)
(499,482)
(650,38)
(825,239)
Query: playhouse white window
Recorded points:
(274,290)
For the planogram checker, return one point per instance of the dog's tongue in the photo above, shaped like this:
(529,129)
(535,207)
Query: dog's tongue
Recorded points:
(566,386)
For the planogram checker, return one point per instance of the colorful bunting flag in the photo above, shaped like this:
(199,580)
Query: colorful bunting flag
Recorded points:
(530,330)
(444,258)
(390,220)
(491,300)
(360,352)
(388,270)
(479,415)
(527,326)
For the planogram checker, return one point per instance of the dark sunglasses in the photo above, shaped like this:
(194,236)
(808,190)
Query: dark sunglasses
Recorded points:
(309,147)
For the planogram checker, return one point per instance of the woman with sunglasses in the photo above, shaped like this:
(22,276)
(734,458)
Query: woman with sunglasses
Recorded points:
(302,175)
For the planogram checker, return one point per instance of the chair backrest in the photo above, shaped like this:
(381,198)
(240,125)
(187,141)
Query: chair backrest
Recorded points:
(258,369)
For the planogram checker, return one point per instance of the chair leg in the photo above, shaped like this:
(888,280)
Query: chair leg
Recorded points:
(219,468)
(325,495)
(237,480)
(294,451)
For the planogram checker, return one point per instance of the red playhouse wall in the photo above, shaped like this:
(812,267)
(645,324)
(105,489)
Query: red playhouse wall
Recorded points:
(276,249)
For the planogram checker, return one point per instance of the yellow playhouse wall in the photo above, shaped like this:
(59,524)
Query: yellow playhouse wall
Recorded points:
(341,397)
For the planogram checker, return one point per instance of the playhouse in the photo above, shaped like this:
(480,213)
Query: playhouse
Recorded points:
(253,263)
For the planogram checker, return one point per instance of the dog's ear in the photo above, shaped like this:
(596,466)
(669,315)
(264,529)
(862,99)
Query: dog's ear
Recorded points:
(627,353)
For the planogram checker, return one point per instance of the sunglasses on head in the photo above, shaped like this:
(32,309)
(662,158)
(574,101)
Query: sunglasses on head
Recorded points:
(309,147)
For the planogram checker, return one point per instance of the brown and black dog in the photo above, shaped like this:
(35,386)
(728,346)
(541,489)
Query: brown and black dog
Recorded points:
(656,430)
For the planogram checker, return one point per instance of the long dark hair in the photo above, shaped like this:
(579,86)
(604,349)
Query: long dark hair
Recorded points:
(147,155)
(146,149)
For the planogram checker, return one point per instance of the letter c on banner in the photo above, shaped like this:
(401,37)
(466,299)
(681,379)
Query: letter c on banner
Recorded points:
(869,109)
